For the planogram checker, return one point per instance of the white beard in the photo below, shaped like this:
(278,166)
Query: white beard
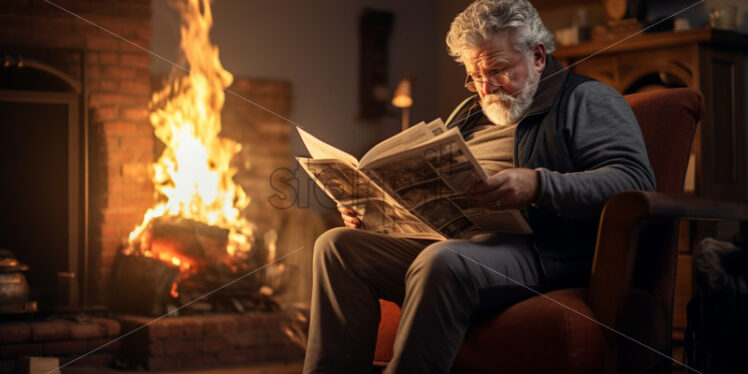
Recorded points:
(504,109)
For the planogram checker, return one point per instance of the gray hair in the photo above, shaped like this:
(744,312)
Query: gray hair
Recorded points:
(484,19)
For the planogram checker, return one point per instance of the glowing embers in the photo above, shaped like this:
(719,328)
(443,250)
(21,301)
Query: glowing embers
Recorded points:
(181,263)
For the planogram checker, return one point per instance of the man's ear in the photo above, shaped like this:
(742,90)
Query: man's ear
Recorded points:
(538,56)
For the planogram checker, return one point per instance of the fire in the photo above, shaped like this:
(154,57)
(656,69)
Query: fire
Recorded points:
(193,175)
(165,252)
(173,291)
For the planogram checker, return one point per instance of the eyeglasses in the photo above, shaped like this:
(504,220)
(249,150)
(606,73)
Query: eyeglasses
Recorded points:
(497,79)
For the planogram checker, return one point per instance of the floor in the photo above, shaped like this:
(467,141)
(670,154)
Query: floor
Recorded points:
(292,368)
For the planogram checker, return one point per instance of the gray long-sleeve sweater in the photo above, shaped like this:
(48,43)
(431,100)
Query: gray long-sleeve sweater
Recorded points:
(584,140)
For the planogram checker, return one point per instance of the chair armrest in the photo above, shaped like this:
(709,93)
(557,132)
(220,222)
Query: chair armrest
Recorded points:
(690,207)
(618,237)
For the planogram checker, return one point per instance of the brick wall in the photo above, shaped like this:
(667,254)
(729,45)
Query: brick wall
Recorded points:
(265,142)
(116,80)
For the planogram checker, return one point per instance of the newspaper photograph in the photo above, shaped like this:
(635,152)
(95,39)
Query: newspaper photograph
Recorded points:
(378,212)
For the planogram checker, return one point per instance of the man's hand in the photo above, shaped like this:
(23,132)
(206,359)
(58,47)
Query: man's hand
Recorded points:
(507,189)
(350,218)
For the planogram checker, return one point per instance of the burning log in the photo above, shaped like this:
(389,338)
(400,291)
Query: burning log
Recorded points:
(141,285)
(189,238)
(178,261)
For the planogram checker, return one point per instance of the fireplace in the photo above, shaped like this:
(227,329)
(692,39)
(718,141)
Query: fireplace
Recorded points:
(78,149)
(87,176)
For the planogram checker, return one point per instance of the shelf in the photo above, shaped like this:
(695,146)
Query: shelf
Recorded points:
(643,41)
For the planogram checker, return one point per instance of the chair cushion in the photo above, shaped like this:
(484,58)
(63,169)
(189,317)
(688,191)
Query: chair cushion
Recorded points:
(537,335)
(533,336)
(540,336)
(390,319)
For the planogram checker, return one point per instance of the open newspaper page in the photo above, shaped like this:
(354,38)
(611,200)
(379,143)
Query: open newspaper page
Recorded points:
(378,212)
(431,179)
(412,136)
(321,150)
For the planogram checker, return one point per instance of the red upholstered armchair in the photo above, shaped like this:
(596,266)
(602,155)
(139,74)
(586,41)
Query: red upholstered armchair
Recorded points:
(633,274)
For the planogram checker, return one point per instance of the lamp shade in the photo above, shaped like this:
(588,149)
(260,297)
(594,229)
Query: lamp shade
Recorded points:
(402,98)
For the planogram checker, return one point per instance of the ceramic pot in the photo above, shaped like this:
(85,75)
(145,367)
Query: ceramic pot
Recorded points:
(14,290)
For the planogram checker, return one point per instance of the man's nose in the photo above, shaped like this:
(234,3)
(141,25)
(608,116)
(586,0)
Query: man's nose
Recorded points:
(486,88)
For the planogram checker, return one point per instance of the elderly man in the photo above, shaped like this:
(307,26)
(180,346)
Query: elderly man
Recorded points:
(557,145)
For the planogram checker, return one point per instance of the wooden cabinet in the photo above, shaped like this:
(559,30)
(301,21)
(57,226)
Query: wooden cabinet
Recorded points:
(712,61)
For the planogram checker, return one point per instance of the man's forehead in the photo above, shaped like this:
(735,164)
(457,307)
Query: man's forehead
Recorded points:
(483,58)
(493,51)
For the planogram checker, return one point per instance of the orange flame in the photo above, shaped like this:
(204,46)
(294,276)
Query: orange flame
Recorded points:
(193,175)
(173,291)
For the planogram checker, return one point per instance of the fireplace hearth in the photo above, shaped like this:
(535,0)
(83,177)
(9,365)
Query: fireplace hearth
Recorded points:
(214,340)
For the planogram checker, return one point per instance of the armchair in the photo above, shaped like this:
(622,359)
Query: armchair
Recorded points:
(630,294)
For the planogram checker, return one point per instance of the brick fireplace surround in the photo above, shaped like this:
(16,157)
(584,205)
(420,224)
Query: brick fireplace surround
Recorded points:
(117,87)
(116,83)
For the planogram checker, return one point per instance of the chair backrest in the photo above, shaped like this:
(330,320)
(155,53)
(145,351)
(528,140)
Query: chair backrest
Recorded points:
(668,122)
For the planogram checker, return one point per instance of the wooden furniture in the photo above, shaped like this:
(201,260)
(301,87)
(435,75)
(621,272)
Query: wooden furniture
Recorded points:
(632,279)
(712,61)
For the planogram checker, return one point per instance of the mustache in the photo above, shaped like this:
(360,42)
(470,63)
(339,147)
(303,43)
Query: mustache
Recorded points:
(499,97)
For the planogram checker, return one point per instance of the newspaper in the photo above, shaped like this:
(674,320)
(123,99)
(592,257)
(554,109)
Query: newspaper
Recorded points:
(410,185)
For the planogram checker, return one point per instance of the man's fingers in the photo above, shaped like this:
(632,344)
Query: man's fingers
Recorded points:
(353,225)
(347,211)
(493,182)
(484,200)
(479,188)
(483,187)
(492,194)
(489,199)
(481,197)
(349,218)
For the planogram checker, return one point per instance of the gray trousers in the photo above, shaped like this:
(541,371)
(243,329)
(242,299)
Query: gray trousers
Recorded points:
(442,287)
